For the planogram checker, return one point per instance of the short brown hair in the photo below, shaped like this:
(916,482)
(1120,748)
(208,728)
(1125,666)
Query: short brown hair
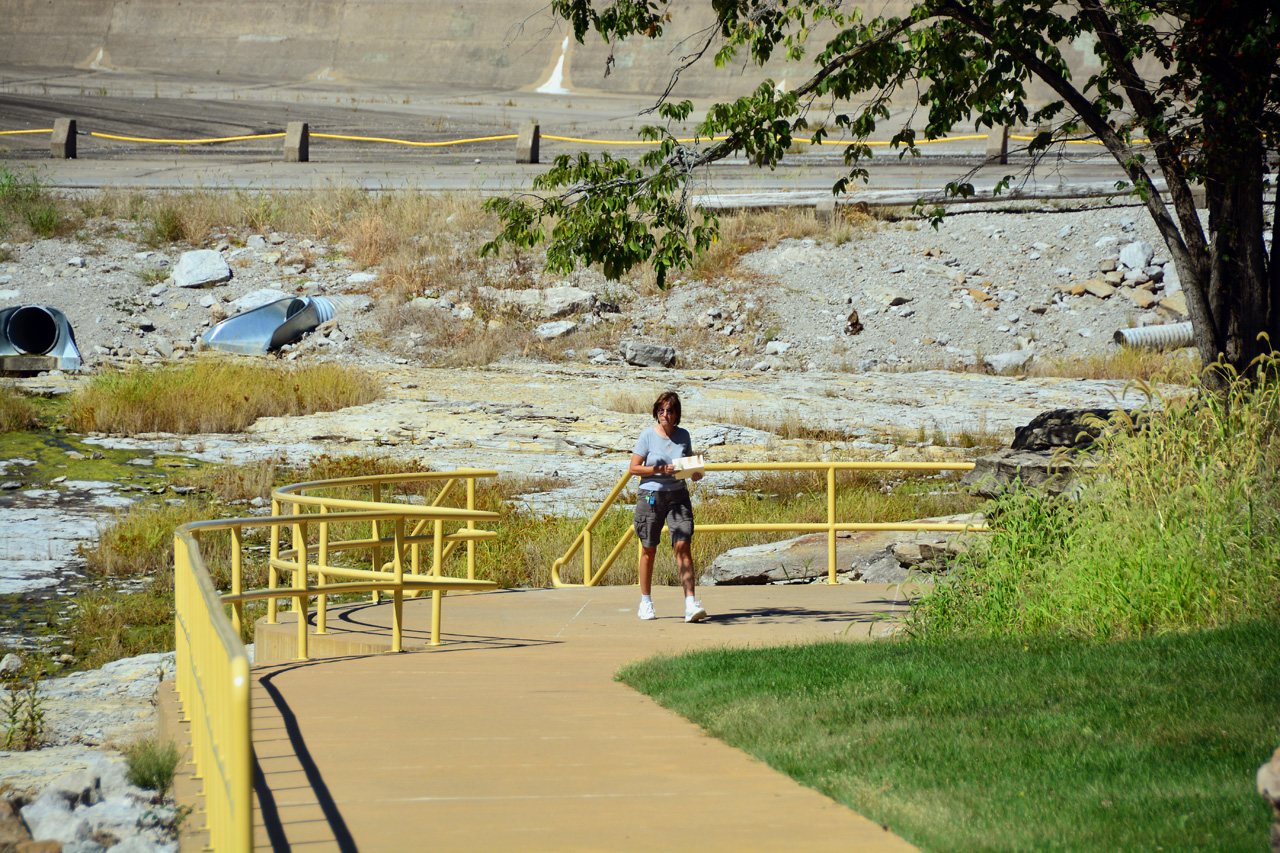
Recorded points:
(668,397)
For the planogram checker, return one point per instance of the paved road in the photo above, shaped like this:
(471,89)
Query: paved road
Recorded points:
(158,106)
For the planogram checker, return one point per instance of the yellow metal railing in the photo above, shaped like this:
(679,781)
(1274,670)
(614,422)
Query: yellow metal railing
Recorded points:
(212,668)
(213,682)
(592,576)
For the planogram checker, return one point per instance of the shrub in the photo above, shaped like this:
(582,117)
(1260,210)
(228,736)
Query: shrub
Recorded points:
(1177,528)
(152,764)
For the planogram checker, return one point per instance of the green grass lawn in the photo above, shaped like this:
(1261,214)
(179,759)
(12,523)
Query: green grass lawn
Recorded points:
(1147,744)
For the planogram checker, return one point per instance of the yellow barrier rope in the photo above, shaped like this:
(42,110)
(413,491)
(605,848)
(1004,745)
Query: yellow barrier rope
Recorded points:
(722,138)
(185,141)
(1077,141)
(514,136)
(407,142)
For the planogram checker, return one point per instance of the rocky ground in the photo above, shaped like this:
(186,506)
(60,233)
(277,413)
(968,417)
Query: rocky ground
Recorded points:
(1046,284)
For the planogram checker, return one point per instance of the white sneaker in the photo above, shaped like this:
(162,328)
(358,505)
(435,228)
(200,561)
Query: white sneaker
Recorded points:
(694,612)
(646,611)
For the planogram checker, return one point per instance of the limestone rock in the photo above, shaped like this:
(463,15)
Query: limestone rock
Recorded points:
(558,329)
(200,268)
(1175,304)
(12,829)
(550,303)
(258,298)
(1008,361)
(861,555)
(1100,289)
(1141,297)
(996,473)
(646,355)
(1269,779)
(563,301)
(889,297)
(1075,428)
(1137,255)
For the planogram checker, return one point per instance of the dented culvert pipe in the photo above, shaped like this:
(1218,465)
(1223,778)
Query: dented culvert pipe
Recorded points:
(269,327)
(1168,336)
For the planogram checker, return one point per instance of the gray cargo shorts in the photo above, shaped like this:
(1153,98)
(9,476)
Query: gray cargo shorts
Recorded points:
(655,508)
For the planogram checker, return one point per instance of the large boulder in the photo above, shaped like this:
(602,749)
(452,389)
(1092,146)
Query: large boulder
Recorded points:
(879,556)
(1048,452)
(549,303)
(200,268)
(646,355)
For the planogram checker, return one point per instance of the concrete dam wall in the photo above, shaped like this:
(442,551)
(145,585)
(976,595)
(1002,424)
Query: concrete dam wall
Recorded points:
(505,45)
(480,44)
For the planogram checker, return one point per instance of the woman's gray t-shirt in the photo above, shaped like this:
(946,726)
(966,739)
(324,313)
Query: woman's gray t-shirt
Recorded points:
(655,449)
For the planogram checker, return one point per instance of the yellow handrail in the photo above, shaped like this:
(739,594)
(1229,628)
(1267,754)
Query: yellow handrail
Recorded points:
(212,668)
(212,678)
(592,577)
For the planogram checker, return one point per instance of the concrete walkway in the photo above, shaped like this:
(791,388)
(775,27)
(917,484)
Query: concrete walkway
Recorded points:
(513,735)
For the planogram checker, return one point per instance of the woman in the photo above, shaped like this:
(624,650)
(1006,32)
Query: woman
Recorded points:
(663,498)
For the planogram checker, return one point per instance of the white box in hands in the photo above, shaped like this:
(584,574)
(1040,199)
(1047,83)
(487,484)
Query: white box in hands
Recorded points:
(687,466)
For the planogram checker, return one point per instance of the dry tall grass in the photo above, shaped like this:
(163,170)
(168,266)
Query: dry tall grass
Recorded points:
(16,411)
(213,396)
(743,232)
(1178,367)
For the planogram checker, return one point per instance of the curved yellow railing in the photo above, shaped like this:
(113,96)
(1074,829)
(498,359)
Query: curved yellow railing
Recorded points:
(212,675)
(591,576)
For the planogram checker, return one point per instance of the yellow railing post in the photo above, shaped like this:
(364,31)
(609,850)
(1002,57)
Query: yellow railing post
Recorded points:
(397,594)
(376,537)
(322,560)
(273,577)
(237,609)
(300,583)
(471,526)
(831,524)
(437,556)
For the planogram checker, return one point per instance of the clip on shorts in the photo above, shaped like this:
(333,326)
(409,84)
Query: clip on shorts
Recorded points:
(673,508)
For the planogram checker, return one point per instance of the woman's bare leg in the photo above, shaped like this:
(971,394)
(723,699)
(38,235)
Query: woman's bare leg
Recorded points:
(646,569)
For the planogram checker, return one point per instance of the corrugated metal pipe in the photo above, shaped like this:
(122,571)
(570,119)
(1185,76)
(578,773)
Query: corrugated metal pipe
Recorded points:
(1168,336)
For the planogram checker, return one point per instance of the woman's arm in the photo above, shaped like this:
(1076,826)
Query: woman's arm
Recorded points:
(640,469)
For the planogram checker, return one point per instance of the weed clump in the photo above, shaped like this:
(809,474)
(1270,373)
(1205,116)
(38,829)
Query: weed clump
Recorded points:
(152,764)
(16,412)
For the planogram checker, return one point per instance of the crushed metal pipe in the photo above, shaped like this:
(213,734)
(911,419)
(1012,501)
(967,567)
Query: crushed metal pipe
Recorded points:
(269,327)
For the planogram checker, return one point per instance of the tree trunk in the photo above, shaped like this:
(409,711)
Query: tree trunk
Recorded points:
(1241,289)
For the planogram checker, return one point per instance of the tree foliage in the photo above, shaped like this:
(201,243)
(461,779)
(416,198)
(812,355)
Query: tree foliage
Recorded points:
(1184,90)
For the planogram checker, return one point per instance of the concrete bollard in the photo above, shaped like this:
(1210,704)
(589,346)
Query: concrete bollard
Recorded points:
(998,146)
(297,142)
(62,145)
(527,143)
(825,212)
